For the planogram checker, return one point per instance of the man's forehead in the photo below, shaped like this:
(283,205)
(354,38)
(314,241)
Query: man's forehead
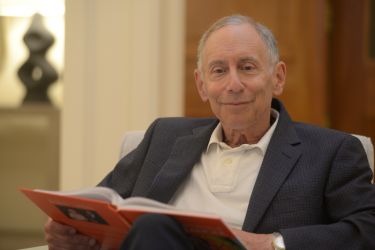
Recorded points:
(231,39)
(235,30)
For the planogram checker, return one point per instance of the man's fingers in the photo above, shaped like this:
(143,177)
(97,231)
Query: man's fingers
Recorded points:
(58,228)
(59,245)
(60,236)
(80,239)
(77,242)
(255,241)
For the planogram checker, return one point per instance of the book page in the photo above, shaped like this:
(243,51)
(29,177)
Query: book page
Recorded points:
(95,193)
(145,204)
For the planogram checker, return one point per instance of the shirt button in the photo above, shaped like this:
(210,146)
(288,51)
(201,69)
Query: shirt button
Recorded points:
(228,160)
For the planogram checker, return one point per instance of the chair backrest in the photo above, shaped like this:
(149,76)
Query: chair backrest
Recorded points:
(369,148)
(131,140)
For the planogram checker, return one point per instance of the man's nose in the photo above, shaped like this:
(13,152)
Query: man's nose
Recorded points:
(234,83)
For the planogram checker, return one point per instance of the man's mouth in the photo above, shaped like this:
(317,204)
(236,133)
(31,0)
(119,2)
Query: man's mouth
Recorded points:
(235,103)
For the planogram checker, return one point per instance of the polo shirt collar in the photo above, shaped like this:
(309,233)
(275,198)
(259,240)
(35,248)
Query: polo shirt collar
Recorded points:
(217,136)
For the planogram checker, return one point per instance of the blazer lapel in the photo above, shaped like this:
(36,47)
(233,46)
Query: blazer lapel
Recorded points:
(186,152)
(282,154)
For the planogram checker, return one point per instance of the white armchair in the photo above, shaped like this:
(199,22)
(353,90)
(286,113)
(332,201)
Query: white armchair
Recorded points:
(369,148)
(130,141)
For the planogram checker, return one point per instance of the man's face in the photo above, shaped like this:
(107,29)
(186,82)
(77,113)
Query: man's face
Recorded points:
(237,81)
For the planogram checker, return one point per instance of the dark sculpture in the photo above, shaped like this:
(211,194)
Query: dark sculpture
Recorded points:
(36,73)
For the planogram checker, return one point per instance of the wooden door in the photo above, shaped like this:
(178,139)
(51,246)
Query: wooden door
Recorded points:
(353,91)
(301,32)
(353,67)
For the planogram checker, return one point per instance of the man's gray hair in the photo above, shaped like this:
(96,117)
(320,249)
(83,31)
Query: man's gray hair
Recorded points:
(265,34)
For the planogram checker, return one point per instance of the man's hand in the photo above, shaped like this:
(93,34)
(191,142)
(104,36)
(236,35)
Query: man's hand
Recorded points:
(61,237)
(255,241)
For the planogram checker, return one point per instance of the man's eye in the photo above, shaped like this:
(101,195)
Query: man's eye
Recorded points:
(248,68)
(218,71)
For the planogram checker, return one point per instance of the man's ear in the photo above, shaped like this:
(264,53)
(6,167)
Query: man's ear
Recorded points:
(279,75)
(200,85)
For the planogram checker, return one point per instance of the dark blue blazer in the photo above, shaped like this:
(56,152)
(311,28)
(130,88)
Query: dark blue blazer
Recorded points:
(314,185)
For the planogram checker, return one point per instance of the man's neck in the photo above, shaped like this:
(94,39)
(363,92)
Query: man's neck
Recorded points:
(251,135)
(235,138)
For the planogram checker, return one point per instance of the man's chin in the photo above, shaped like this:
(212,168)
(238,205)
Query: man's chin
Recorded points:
(238,123)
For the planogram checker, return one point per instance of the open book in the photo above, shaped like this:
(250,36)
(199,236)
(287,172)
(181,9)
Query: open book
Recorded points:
(101,213)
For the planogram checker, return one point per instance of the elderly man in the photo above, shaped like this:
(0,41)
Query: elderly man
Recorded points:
(267,176)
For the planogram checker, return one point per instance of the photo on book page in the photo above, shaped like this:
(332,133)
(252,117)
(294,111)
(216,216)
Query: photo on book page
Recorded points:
(82,214)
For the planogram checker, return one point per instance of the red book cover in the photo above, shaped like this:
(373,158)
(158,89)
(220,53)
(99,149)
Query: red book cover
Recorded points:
(98,219)
(109,223)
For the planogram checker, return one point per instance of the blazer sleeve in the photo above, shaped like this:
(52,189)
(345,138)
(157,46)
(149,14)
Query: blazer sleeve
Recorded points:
(124,176)
(350,205)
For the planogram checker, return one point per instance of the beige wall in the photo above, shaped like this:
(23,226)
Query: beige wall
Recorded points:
(124,67)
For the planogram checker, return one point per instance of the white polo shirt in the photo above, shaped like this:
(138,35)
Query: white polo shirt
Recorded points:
(223,180)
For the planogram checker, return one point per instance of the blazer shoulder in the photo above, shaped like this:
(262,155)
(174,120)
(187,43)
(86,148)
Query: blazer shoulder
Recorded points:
(171,128)
(320,135)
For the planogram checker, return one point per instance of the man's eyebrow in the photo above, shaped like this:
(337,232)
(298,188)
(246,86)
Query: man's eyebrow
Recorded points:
(247,59)
(216,62)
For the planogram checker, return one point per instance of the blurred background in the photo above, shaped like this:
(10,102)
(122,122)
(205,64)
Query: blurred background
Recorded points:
(92,70)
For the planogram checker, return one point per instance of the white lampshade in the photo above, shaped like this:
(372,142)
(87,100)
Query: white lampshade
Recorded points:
(30,7)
